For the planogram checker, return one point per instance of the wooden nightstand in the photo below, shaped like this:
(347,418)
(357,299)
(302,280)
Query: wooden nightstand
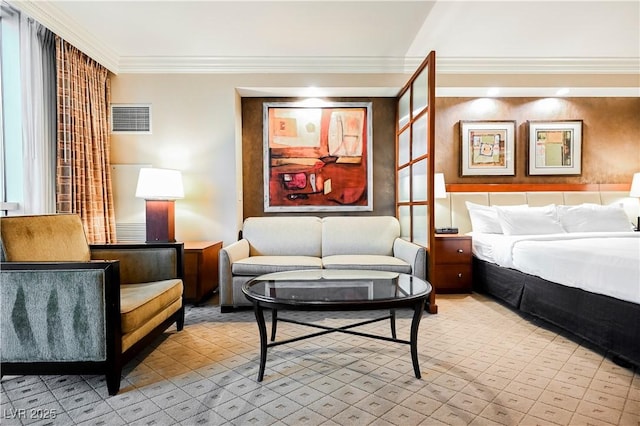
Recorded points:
(452,264)
(200,269)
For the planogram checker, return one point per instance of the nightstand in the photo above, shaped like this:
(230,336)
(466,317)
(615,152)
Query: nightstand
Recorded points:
(200,269)
(452,264)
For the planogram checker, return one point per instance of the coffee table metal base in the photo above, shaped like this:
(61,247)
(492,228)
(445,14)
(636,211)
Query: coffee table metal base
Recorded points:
(418,309)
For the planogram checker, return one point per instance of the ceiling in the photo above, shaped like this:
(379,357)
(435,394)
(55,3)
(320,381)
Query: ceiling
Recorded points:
(598,42)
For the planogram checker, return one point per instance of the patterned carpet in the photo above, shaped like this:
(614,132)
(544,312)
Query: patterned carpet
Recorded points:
(481,364)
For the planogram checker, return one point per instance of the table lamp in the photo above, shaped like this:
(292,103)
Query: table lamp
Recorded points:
(160,188)
(635,192)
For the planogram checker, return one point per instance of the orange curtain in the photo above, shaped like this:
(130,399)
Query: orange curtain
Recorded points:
(83,172)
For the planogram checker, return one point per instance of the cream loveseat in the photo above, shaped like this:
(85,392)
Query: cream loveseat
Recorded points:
(285,243)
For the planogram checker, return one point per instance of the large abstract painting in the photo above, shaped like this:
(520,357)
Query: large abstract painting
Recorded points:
(317,158)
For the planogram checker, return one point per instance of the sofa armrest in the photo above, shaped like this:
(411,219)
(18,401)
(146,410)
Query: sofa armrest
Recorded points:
(229,254)
(60,311)
(413,254)
(237,250)
(141,262)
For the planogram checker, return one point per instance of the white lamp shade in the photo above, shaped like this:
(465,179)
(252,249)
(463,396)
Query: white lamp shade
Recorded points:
(159,184)
(635,186)
(439,189)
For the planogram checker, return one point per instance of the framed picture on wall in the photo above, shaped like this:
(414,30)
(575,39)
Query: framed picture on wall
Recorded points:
(317,158)
(487,148)
(555,147)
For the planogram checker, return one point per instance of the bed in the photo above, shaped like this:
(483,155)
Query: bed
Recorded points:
(581,274)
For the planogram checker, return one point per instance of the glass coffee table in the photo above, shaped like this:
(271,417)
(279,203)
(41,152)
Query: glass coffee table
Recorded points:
(336,290)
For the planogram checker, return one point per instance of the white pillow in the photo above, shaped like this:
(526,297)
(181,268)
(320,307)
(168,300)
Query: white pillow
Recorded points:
(484,219)
(531,221)
(594,218)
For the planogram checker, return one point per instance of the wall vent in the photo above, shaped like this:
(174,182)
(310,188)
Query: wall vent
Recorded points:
(131,232)
(130,118)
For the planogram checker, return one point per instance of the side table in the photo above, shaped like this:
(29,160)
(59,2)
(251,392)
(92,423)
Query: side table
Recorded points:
(200,269)
(452,264)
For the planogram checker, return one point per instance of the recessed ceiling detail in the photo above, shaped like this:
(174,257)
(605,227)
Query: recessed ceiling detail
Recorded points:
(471,38)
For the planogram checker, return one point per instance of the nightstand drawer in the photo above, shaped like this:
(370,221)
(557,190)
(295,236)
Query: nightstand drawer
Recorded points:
(453,250)
(450,278)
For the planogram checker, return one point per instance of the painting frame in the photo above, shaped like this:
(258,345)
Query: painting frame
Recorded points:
(481,154)
(317,157)
(554,147)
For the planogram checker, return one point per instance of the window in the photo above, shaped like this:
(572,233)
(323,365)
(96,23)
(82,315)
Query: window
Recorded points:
(11,184)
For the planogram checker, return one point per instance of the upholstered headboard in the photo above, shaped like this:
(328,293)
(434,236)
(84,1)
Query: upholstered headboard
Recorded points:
(452,211)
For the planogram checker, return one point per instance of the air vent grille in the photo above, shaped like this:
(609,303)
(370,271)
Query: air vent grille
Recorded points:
(130,118)
(131,232)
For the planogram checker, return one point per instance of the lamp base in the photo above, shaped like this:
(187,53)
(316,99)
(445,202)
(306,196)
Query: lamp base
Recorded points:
(160,221)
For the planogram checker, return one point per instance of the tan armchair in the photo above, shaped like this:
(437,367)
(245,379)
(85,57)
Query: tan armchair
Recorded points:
(73,308)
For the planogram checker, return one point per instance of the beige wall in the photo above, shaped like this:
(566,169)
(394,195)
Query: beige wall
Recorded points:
(196,124)
(192,130)
(611,135)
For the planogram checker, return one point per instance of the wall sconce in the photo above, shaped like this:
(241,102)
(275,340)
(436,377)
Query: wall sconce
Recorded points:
(160,188)
(439,188)
(635,192)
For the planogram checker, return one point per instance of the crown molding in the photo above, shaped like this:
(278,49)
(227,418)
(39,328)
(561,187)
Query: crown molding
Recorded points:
(61,24)
(538,92)
(377,65)
(441,92)
(533,65)
(263,65)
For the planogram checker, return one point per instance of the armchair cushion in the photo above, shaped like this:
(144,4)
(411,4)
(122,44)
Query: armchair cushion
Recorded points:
(46,238)
(141,302)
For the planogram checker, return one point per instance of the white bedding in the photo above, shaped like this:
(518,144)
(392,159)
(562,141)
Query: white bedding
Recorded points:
(607,263)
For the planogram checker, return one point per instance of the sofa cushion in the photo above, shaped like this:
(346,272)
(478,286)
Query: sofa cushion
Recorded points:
(141,302)
(283,236)
(259,265)
(373,262)
(44,238)
(359,235)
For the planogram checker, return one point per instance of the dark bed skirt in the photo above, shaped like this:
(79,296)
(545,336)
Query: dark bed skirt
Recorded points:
(612,325)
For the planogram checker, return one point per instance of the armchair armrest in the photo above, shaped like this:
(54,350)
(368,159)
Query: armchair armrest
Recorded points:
(59,311)
(413,254)
(140,262)
(229,254)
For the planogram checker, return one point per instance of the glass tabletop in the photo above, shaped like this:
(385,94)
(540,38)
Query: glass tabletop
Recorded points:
(335,286)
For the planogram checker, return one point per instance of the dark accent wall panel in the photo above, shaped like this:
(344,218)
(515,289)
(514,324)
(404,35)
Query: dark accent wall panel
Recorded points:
(384,113)
(611,135)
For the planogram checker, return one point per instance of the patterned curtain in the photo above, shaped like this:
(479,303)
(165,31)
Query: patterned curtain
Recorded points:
(83,172)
